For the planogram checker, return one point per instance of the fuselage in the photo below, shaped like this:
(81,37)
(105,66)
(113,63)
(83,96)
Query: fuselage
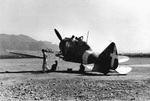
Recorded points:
(74,49)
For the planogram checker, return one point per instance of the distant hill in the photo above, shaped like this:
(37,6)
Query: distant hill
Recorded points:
(136,54)
(23,43)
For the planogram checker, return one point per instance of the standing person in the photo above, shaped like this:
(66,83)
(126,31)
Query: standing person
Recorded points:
(45,66)
(54,66)
(82,69)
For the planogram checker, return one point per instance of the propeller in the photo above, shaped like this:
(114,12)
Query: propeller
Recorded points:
(58,34)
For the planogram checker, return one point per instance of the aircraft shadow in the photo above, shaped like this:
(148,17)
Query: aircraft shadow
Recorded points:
(34,72)
(69,72)
(87,73)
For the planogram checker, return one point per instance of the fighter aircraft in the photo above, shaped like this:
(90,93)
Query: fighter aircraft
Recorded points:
(74,49)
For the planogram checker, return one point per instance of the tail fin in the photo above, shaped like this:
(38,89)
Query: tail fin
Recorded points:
(107,60)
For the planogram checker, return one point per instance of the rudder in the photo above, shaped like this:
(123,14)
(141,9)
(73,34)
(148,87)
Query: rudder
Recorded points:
(107,60)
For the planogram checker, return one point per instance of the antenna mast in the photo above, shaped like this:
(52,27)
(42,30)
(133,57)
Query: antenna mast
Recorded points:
(87,36)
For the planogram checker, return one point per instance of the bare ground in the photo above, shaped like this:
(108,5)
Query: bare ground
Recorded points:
(27,84)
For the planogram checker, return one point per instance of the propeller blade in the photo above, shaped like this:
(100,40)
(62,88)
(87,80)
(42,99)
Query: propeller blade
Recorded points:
(58,34)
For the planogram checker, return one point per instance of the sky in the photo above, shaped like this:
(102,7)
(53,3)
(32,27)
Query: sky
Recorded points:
(125,22)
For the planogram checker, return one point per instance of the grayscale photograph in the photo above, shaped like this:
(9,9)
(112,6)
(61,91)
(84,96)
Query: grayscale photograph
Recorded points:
(74,50)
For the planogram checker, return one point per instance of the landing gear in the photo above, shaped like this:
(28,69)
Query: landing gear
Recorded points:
(82,68)
(106,72)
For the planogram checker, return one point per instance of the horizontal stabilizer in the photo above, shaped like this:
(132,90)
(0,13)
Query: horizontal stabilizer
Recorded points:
(122,59)
(123,69)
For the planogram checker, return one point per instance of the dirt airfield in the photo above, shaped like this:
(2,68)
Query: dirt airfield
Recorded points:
(22,79)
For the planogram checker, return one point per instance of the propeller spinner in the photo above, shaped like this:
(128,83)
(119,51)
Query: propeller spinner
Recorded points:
(58,34)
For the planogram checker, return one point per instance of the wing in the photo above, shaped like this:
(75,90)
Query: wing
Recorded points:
(26,55)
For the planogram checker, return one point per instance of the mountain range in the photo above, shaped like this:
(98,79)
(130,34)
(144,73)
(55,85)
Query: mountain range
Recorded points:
(23,43)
